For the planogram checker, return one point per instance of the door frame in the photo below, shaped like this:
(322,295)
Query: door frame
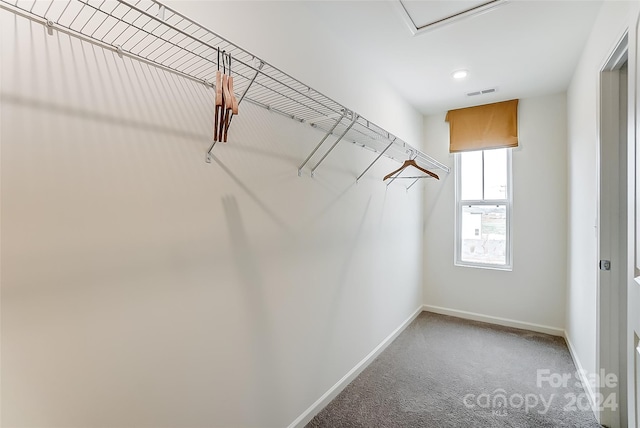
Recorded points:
(612,227)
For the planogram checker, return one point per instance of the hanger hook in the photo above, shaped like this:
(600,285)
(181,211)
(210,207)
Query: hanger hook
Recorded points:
(224,63)
(218,59)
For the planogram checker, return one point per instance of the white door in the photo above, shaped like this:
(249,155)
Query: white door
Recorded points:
(633,247)
(633,304)
(610,401)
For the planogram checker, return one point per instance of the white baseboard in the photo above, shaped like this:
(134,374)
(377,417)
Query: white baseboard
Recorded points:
(588,389)
(554,331)
(326,398)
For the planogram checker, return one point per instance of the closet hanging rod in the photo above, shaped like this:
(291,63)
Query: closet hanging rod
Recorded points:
(50,25)
(157,34)
(213,48)
(118,47)
(197,40)
(335,114)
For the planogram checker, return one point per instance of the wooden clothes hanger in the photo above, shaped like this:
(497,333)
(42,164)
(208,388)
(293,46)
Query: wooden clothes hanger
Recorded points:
(226,102)
(234,100)
(219,103)
(408,163)
(226,99)
(231,102)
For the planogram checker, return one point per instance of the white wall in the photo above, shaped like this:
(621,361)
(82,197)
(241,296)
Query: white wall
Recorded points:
(534,292)
(142,286)
(582,96)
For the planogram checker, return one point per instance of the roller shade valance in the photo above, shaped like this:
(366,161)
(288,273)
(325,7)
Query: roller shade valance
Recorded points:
(488,126)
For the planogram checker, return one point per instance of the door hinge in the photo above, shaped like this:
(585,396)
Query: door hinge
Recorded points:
(605,264)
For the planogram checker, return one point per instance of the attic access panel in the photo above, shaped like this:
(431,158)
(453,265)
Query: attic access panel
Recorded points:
(422,16)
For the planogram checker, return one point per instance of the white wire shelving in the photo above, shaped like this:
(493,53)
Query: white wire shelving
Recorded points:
(155,33)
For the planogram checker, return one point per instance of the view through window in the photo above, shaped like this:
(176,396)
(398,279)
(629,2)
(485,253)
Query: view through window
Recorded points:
(483,180)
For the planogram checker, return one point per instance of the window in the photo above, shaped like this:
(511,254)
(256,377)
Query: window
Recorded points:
(483,209)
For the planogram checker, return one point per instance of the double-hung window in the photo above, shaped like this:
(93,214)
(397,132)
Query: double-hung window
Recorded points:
(483,209)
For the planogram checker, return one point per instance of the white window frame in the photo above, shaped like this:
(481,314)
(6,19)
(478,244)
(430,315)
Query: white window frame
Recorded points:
(508,203)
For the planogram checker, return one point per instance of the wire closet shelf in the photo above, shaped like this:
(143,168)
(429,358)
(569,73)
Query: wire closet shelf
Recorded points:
(155,33)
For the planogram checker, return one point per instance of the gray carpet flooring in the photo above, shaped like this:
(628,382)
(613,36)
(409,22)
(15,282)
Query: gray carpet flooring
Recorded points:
(449,372)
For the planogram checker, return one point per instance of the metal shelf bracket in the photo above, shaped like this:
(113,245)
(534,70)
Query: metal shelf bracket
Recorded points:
(354,119)
(377,158)
(344,113)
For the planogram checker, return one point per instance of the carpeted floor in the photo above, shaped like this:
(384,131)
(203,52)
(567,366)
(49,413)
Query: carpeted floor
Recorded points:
(449,372)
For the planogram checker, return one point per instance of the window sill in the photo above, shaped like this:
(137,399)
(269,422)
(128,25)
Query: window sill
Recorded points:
(486,267)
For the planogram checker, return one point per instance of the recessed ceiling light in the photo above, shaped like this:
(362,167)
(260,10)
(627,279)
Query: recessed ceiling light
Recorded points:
(460,74)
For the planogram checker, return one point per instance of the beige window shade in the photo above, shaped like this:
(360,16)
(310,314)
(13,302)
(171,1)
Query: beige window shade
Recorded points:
(489,126)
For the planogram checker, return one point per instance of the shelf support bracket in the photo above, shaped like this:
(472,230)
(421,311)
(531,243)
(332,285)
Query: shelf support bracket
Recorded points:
(321,142)
(253,79)
(353,122)
(394,177)
(411,185)
(376,160)
(49,27)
